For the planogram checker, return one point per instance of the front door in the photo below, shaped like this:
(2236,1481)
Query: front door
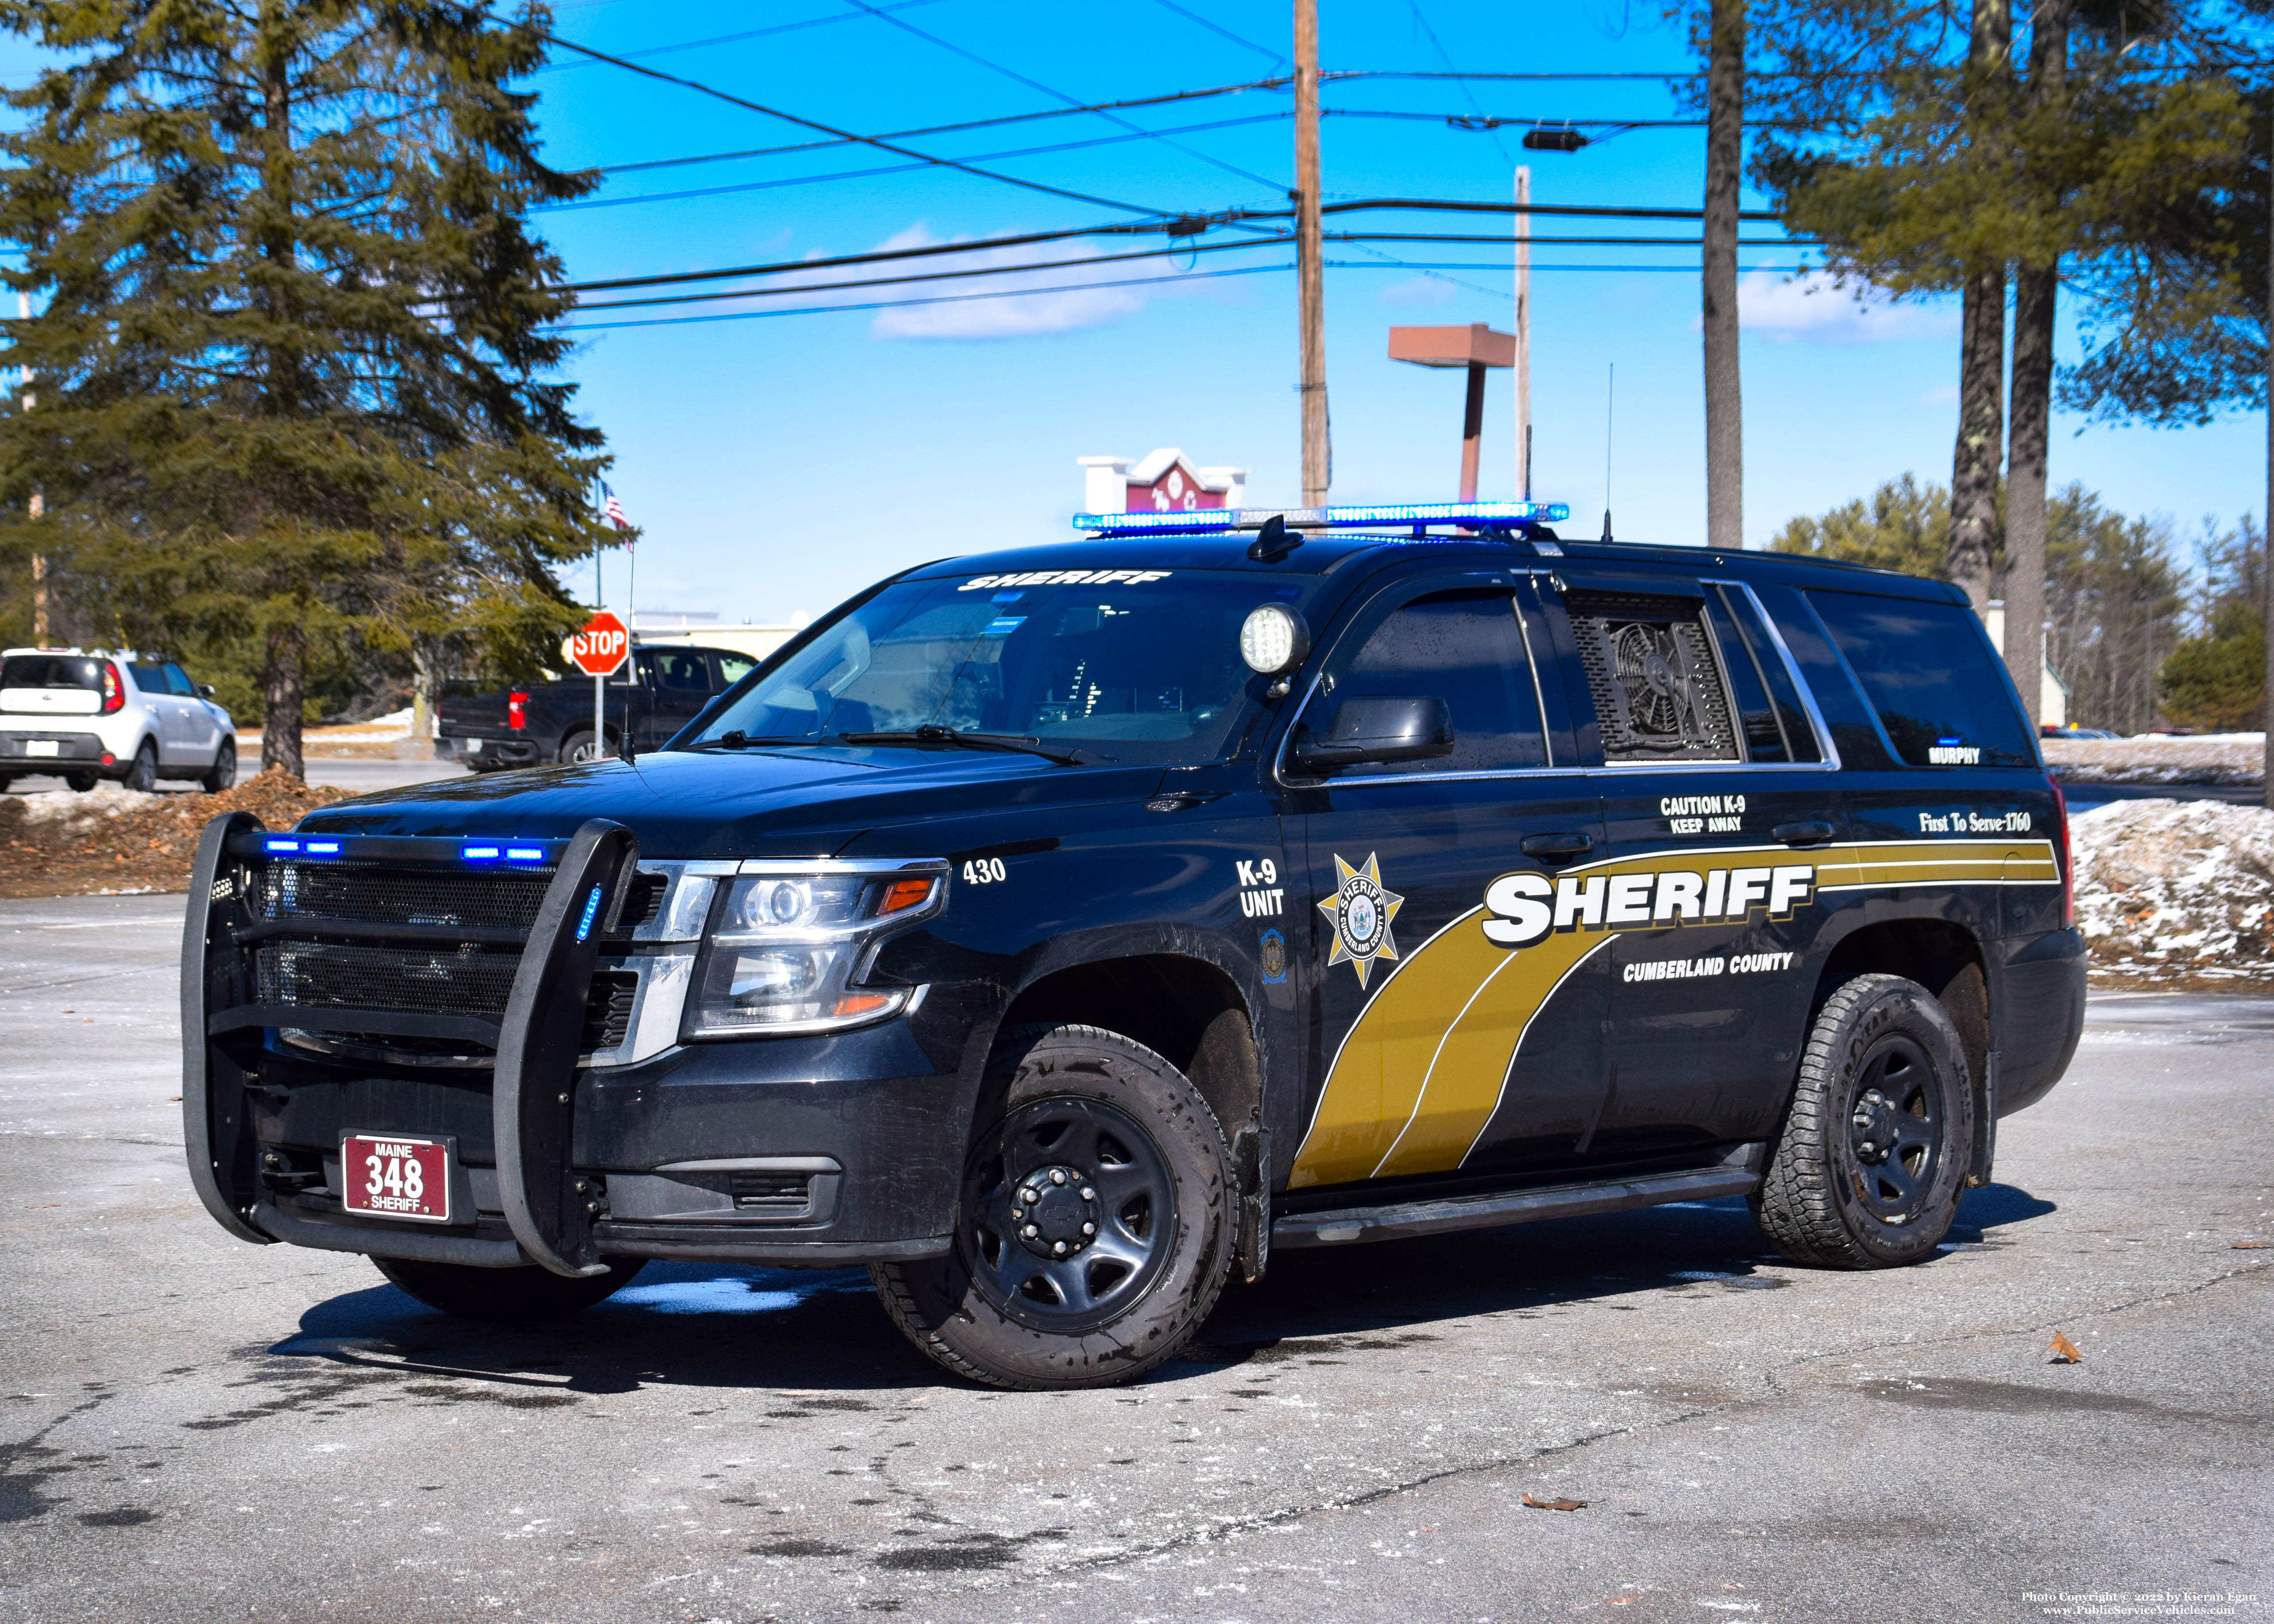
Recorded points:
(1433,1040)
(200,734)
(1720,808)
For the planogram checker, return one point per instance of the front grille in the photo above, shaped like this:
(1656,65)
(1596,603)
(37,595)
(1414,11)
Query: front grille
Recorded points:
(452,980)
(642,901)
(608,1009)
(370,894)
(771,1192)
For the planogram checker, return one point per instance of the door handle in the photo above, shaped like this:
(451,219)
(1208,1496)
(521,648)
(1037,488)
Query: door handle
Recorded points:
(1814,832)
(1558,845)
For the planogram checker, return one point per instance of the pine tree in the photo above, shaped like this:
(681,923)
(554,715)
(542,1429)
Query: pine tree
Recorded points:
(296,356)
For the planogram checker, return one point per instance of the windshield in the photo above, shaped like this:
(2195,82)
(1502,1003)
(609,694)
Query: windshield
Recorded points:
(1142,669)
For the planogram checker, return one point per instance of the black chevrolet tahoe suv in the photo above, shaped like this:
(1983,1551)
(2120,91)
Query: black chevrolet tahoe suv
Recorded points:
(1056,931)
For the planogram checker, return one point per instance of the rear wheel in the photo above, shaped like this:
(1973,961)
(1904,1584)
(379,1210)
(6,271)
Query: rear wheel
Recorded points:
(578,746)
(142,773)
(505,1295)
(1094,1231)
(224,768)
(1868,1170)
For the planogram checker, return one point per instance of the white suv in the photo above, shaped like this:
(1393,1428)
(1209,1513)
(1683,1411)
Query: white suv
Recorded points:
(103,715)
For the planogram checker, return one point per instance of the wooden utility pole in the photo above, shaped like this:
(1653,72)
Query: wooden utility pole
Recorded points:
(1310,279)
(2029,416)
(1524,333)
(1725,150)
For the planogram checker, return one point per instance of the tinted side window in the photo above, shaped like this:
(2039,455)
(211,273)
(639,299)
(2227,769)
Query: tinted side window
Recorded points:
(1759,650)
(177,682)
(149,678)
(733,668)
(1462,647)
(1928,671)
(682,671)
(1659,691)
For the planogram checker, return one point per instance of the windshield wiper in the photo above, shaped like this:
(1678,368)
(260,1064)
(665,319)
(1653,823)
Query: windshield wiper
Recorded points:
(736,739)
(932,733)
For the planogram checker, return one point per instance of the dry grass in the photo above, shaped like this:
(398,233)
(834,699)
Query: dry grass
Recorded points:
(112,839)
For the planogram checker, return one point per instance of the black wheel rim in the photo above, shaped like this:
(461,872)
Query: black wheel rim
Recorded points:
(1052,1167)
(1896,1118)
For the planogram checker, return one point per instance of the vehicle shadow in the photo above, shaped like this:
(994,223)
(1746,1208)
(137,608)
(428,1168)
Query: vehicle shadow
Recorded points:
(822,1339)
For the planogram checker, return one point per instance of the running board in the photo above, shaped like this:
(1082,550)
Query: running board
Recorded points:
(1736,1174)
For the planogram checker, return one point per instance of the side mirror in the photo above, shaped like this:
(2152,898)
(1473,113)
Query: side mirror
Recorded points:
(1367,728)
(207,689)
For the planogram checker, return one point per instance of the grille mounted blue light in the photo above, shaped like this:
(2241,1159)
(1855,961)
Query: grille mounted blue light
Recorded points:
(478,854)
(280,845)
(323,848)
(1205,521)
(524,854)
(592,911)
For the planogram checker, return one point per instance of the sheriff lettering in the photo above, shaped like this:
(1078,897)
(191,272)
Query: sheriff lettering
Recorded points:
(1527,908)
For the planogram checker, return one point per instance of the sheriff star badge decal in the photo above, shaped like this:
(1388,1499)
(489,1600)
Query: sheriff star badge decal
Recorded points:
(1361,910)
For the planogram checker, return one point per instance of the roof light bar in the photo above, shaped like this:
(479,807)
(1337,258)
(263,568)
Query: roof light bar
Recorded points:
(1207,521)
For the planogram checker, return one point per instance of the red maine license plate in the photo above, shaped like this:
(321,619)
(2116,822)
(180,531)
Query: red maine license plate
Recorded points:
(395,1177)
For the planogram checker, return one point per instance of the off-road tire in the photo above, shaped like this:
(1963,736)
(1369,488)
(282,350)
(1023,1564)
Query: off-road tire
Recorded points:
(943,1305)
(1822,1200)
(222,774)
(506,1296)
(142,773)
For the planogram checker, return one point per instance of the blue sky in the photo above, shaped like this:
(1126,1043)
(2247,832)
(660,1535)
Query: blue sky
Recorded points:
(779,464)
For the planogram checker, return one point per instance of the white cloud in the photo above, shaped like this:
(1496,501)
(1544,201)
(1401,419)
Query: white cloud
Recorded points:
(1813,309)
(1077,298)
(1422,290)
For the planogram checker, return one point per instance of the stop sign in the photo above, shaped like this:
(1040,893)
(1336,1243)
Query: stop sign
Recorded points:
(601,645)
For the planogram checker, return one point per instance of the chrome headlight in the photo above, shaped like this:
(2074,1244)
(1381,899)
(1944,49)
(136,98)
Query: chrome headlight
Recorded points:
(789,942)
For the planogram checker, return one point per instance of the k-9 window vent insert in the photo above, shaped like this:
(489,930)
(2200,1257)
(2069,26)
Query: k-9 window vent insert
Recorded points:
(1658,689)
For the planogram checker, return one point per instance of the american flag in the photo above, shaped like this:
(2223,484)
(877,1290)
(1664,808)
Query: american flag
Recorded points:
(615,510)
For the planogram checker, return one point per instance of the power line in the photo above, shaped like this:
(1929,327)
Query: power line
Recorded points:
(731,39)
(883,15)
(1194,16)
(867,141)
(889,168)
(1133,281)
(1176,227)
(968,124)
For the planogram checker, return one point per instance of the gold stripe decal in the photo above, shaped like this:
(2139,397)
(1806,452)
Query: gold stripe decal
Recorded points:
(1422,1069)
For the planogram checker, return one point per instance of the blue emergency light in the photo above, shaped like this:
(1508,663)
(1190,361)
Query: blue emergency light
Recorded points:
(1207,521)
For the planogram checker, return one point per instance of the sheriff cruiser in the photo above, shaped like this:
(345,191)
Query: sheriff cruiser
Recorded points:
(1056,932)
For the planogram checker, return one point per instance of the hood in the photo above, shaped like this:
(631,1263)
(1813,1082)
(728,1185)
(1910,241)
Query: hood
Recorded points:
(747,803)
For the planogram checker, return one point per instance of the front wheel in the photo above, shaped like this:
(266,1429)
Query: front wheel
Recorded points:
(1094,1232)
(224,768)
(1872,1160)
(78,782)
(506,1296)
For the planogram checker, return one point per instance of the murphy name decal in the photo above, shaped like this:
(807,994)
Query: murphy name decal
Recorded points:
(1418,1076)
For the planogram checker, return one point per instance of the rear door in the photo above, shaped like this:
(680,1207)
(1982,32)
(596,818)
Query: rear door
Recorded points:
(679,686)
(1426,1046)
(1721,802)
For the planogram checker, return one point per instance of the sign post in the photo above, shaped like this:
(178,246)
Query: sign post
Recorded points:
(600,647)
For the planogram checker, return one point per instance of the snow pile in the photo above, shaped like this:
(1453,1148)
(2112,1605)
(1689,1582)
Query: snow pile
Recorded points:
(2155,758)
(62,805)
(2171,891)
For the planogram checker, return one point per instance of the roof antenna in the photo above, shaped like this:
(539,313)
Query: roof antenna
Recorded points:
(1610,389)
(1274,542)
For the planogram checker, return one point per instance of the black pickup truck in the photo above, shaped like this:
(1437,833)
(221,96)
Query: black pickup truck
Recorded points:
(656,693)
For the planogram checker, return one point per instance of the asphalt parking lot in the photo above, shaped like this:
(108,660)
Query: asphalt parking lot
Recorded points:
(195,1429)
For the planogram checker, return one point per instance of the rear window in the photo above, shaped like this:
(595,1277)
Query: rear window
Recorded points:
(52,671)
(1928,672)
